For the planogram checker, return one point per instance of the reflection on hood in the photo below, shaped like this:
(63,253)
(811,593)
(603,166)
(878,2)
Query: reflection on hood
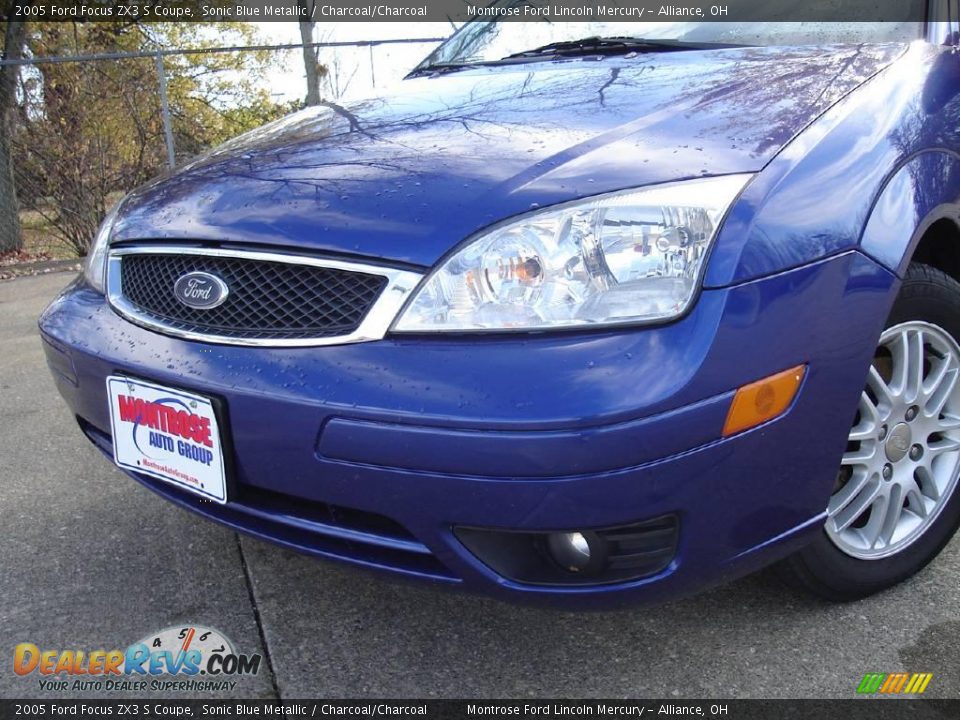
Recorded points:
(408,175)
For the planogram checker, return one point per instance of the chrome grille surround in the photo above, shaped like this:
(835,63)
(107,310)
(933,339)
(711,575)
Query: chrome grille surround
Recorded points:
(399,284)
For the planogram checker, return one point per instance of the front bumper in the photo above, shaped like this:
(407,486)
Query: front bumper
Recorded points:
(372,453)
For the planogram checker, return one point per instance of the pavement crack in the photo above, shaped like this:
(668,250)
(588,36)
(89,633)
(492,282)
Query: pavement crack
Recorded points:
(258,620)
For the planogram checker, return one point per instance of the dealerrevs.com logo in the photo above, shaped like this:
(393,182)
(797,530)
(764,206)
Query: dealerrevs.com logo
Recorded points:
(190,658)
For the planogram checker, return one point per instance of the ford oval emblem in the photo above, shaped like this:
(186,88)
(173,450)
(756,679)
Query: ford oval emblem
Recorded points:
(200,290)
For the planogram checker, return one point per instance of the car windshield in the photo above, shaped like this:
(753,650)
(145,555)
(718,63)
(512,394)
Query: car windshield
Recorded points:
(486,40)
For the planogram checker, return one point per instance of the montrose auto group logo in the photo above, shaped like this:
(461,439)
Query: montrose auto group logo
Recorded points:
(167,415)
(180,658)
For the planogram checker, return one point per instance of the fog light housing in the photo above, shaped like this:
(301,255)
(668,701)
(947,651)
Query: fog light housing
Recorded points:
(576,557)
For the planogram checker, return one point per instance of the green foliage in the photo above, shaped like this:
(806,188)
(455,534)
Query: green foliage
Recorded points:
(214,97)
(88,130)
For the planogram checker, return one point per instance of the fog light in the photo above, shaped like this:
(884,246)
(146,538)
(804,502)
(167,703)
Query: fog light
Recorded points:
(570,550)
(577,552)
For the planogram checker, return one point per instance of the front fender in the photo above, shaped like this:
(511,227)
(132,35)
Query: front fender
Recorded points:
(869,174)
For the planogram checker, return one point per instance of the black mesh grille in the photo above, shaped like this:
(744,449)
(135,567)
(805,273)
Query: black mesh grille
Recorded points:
(267,300)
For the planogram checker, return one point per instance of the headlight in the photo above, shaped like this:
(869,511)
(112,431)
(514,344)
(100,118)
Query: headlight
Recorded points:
(632,256)
(95,269)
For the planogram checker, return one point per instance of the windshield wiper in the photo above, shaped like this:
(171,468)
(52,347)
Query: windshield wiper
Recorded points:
(578,48)
(614,46)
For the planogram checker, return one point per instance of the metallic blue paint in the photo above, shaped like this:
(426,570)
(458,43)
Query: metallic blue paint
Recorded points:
(408,175)
(855,153)
(732,494)
(923,191)
(816,197)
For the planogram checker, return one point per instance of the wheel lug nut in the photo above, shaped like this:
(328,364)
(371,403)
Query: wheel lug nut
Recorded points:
(916,452)
(887,471)
(883,432)
(911,412)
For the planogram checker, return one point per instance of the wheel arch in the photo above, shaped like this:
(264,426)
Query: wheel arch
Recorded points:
(917,215)
(939,246)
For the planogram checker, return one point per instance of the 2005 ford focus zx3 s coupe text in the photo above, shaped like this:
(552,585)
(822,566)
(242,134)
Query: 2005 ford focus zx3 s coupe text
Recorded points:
(578,313)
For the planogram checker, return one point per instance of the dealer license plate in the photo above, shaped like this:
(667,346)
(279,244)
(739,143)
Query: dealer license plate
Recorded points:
(167,434)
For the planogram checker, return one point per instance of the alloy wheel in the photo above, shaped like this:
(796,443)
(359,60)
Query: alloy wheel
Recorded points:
(903,452)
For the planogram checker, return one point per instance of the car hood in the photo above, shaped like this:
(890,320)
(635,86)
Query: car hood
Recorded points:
(407,175)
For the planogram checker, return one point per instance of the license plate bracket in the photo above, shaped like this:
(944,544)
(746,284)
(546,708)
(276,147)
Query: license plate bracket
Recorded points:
(168,434)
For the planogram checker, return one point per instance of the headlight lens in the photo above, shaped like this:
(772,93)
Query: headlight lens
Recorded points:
(633,256)
(95,269)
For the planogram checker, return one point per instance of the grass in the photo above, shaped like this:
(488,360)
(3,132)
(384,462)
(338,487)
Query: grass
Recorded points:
(39,239)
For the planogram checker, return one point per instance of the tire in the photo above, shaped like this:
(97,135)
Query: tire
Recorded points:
(841,564)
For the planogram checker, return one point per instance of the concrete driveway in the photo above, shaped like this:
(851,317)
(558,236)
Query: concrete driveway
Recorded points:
(91,560)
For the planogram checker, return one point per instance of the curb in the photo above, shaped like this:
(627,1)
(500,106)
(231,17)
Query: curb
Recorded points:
(39,268)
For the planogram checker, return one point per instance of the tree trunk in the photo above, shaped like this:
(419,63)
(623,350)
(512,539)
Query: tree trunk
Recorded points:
(11,237)
(309,53)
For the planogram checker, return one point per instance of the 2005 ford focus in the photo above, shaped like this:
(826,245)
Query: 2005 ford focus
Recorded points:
(578,313)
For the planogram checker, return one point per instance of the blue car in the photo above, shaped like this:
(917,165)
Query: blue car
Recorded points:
(583,314)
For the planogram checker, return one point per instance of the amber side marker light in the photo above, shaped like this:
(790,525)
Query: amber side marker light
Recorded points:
(763,400)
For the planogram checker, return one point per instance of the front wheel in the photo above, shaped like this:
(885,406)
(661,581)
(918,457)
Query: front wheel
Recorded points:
(894,504)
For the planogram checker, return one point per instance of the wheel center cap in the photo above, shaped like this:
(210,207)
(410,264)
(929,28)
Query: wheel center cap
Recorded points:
(898,442)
